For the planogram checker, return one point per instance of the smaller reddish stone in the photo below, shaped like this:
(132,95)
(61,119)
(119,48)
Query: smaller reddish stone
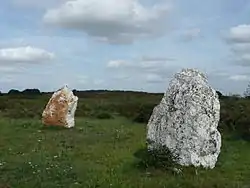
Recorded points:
(60,110)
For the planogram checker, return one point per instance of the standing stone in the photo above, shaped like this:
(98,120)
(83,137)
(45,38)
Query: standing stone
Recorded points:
(186,121)
(60,110)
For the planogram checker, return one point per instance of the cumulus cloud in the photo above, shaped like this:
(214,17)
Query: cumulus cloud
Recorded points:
(24,55)
(238,39)
(239,34)
(111,21)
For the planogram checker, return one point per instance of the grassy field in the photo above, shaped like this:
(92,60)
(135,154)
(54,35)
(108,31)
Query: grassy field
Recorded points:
(100,153)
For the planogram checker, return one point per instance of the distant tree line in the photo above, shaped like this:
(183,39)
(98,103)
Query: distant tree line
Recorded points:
(25,92)
(76,92)
(86,93)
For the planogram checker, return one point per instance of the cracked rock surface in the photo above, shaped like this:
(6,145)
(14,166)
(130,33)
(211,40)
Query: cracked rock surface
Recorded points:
(186,120)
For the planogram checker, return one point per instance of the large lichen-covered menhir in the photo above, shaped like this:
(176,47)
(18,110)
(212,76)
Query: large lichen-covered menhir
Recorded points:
(186,120)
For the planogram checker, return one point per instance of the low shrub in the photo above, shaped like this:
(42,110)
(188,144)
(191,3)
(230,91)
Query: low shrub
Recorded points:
(103,115)
(143,114)
(83,110)
(235,117)
(160,158)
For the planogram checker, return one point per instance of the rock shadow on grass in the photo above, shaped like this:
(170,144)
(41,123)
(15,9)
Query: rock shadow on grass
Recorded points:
(158,159)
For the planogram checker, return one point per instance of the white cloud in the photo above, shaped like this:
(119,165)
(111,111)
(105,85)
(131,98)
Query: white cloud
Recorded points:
(240,47)
(238,39)
(164,59)
(239,77)
(151,64)
(111,21)
(150,69)
(239,34)
(118,64)
(243,58)
(24,55)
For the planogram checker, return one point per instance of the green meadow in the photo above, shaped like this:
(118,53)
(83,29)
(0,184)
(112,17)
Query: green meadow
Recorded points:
(100,151)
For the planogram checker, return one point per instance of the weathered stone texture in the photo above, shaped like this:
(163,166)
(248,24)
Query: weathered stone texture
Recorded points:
(186,120)
(60,110)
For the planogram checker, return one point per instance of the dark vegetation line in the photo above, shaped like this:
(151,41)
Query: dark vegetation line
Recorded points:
(100,91)
(137,106)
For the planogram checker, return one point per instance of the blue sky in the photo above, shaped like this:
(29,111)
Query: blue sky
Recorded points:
(125,44)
